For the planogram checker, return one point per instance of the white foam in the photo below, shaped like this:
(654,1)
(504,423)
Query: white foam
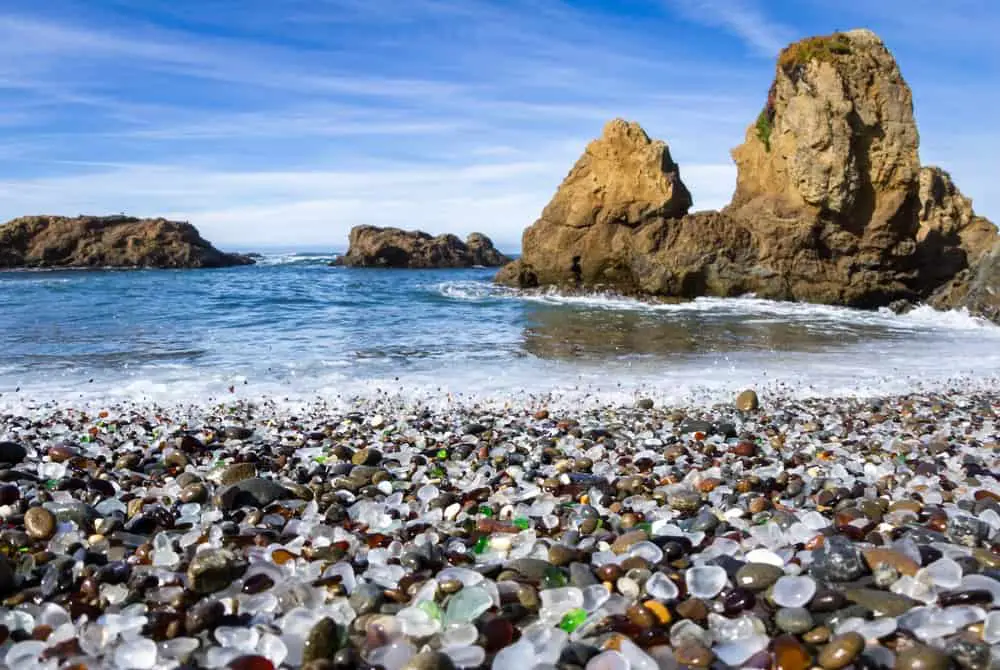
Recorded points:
(921,316)
(297,258)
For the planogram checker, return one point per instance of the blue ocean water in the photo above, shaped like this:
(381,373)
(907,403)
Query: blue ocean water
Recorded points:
(293,327)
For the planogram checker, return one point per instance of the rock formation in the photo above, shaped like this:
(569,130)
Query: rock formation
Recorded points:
(950,237)
(107,241)
(831,204)
(623,180)
(373,247)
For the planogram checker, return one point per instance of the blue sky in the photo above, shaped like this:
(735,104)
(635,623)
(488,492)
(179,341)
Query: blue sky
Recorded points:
(286,122)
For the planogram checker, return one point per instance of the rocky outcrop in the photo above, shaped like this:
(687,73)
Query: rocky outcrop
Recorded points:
(831,204)
(482,252)
(951,237)
(107,241)
(373,247)
(623,181)
(976,289)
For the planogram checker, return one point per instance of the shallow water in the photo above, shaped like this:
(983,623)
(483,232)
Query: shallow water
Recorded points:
(294,327)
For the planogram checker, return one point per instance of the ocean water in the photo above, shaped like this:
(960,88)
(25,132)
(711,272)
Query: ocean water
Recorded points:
(294,329)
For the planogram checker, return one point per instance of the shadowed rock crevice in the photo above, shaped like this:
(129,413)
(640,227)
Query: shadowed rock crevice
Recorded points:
(831,203)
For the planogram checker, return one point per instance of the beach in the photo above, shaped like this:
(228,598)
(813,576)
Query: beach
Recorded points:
(394,533)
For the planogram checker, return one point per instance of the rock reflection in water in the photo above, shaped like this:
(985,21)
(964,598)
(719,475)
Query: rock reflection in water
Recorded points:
(560,332)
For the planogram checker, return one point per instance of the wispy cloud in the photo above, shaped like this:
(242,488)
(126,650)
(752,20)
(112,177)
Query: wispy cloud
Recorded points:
(743,18)
(290,122)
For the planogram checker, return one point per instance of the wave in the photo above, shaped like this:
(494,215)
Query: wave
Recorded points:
(761,310)
(534,382)
(298,258)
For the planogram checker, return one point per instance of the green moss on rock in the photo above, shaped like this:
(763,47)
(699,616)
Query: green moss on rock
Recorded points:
(764,128)
(821,49)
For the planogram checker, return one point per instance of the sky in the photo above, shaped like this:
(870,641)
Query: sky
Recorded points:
(283,123)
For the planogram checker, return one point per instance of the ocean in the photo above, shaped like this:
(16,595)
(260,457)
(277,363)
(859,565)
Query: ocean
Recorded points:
(294,329)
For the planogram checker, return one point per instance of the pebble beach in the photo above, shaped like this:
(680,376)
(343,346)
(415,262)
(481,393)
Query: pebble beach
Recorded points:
(774,533)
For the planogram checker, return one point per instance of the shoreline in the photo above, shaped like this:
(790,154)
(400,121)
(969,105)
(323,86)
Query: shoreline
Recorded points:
(386,395)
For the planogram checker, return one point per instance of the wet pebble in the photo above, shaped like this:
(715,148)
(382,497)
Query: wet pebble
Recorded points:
(39,523)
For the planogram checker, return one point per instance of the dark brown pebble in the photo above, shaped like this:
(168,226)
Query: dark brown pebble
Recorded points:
(921,657)
(737,600)
(9,494)
(790,654)
(322,642)
(694,655)
(193,493)
(498,633)
(827,601)
(250,663)
(970,597)
(693,609)
(841,651)
(610,573)
(257,583)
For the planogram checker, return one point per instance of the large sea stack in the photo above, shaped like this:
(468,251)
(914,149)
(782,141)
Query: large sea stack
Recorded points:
(831,203)
(108,241)
(374,247)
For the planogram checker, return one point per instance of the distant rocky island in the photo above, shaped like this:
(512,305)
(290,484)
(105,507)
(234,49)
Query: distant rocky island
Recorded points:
(374,247)
(831,205)
(108,241)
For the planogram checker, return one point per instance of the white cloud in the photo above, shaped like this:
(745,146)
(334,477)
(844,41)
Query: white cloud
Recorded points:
(244,209)
(743,18)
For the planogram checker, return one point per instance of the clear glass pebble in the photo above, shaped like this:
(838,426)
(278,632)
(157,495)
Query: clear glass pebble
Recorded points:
(608,660)
(518,656)
(991,629)
(646,550)
(466,605)
(764,556)
(944,573)
(220,657)
(705,581)
(661,587)
(636,658)
(735,653)
(139,653)
(238,638)
(594,596)
(179,648)
(459,635)
(23,654)
(466,656)
(392,656)
(793,591)
(417,622)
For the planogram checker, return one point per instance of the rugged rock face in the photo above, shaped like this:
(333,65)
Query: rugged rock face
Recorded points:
(981,295)
(482,252)
(837,135)
(831,204)
(108,241)
(371,246)
(951,236)
(623,181)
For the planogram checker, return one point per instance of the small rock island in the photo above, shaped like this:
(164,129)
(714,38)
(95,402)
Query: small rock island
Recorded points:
(108,242)
(374,247)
